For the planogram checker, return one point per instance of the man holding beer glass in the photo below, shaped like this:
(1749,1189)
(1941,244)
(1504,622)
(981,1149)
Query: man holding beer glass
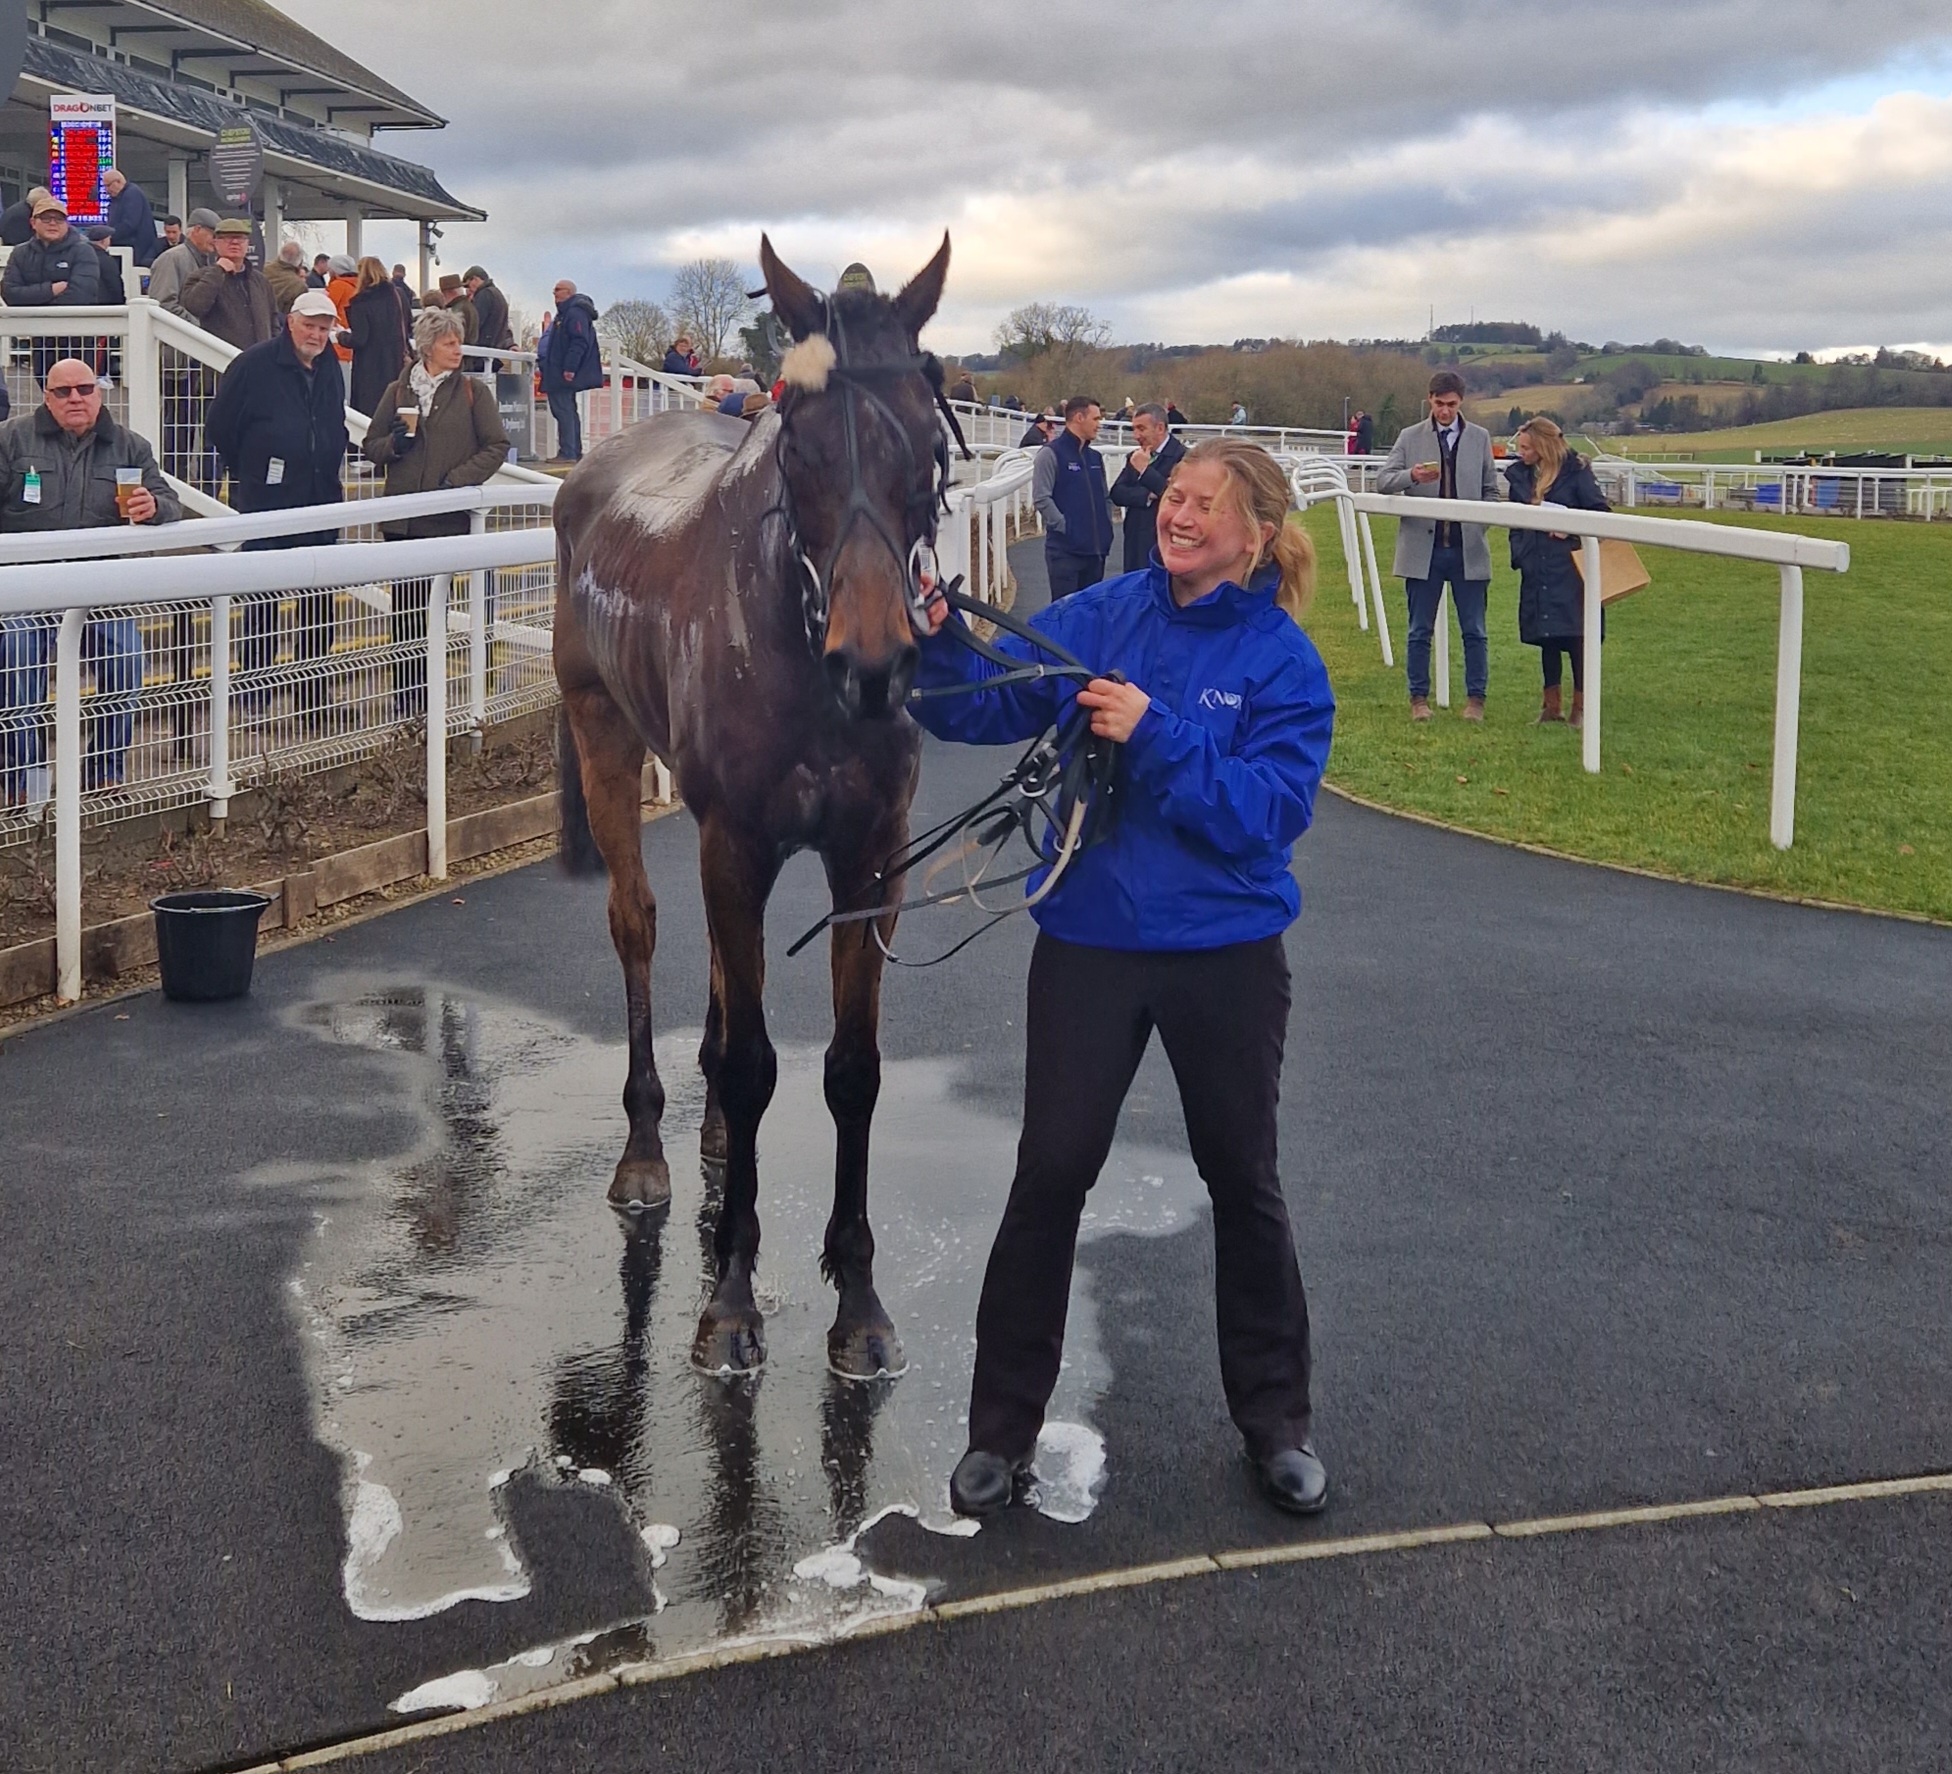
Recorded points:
(68,466)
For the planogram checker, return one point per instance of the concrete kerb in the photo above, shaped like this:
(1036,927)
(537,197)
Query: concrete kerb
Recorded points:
(649,1674)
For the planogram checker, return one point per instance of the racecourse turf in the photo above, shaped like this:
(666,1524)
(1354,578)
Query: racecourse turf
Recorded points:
(1689,698)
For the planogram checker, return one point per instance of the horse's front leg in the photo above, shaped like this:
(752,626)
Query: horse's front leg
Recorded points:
(738,878)
(862,1344)
(610,756)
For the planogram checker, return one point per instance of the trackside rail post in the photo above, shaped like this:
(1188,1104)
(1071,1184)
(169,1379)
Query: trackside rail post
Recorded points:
(67,807)
(221,787)
(1593,615)
(438,594)
(1789,697)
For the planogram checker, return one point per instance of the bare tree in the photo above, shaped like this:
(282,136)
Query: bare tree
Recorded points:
(639,329)
(708,299)
(1040,327)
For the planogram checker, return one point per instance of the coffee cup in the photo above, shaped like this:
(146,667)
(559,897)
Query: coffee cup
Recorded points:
(128,483)
(410,418)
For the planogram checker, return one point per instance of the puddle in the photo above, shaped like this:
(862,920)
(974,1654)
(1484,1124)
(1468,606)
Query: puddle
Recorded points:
(474,1309)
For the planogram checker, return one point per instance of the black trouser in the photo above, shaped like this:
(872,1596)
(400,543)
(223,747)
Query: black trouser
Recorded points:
(257,647)
(1223,1016)
(1071,572)
(1573,646)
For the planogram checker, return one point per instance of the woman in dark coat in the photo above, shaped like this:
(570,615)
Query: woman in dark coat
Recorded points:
(437,428)
(378,327)
(1551,593)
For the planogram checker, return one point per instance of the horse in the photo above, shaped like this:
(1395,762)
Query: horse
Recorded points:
(742,599)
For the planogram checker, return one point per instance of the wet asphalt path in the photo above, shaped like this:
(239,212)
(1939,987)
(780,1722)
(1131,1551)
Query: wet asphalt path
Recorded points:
(1608,1192)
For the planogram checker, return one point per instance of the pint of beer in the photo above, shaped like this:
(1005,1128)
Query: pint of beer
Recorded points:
(128,483)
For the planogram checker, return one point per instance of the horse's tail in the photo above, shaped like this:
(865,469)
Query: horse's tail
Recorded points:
(581,857)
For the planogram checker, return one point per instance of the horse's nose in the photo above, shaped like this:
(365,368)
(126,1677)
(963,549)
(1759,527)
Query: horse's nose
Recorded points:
(870,691)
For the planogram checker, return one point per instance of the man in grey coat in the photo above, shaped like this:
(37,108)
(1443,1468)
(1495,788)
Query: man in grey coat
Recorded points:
(1444,456)
(176,265)
(59,468)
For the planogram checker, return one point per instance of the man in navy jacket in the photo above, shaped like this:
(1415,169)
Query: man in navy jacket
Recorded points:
(1068,485)
(279,423)
(132,223)
(571,361)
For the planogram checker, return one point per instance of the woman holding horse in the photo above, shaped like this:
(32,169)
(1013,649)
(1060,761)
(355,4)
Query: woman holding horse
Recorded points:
(1173,921)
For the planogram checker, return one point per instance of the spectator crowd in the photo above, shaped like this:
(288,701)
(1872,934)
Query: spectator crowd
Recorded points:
(311,339)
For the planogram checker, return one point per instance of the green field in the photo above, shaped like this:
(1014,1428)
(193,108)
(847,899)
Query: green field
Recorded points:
(1689,700)
(1920,431)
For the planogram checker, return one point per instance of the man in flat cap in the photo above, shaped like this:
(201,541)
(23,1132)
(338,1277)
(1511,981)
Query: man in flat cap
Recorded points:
(490,310)
(231,298)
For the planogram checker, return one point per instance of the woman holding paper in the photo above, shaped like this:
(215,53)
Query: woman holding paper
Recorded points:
(1551,593)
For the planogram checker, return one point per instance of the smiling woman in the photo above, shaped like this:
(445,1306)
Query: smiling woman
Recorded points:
(1173,921)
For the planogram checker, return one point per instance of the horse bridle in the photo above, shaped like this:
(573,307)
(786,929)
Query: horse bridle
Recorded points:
(917,561)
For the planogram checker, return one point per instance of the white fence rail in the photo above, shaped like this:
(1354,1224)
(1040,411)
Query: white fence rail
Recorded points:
(447,632)
(1789,554)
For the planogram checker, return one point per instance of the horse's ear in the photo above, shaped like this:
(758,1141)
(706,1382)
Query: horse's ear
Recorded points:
(922,293)
(797,303)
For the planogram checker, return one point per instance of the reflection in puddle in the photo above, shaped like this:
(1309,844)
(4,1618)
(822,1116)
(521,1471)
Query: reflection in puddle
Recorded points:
(475,1309)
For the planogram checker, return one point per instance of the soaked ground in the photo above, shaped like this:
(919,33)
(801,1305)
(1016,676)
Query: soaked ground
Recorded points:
(476,1316)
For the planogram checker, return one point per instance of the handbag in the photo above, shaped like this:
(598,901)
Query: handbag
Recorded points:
(1622,572)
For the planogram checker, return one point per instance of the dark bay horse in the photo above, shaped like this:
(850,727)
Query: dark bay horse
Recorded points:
(738,598)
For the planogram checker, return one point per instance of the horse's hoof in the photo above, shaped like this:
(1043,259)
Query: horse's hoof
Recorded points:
(729,1344)
(866,1352)
(711,1139)
(641,1184)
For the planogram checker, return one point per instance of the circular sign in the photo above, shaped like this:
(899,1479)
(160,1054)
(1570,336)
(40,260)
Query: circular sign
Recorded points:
(237,165)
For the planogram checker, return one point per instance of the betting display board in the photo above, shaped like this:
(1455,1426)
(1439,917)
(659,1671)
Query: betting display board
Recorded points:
(80,144)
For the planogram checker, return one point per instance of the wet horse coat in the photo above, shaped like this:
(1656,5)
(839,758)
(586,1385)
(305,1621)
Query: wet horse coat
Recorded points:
(691,550)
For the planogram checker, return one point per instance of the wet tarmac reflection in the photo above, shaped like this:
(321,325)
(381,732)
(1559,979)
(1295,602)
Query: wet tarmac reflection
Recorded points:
(473,1309)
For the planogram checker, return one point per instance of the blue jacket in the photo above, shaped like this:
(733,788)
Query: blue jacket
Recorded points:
(134,224)
(1219,777)
(1080,495)
(572,349)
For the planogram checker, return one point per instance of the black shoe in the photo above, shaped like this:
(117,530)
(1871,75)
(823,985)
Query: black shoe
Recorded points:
(1294,1480)
(983,1483)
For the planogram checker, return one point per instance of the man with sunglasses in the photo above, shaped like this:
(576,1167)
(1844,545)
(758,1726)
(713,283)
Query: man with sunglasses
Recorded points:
(59,467)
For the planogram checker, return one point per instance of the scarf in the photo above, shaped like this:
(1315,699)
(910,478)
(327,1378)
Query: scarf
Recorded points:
(425,387)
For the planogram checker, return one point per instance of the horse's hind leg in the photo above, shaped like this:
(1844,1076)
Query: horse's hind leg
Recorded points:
(738,878)
(612,759)
(862,1344)
(711,1050)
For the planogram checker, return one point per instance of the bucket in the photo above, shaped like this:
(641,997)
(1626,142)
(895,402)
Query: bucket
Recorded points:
(206,943)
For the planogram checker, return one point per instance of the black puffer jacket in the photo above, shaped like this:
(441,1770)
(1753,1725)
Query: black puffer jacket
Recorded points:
(36,267)
(1551,594)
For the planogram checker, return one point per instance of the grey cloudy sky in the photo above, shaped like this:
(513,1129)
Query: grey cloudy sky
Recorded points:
(1752,174)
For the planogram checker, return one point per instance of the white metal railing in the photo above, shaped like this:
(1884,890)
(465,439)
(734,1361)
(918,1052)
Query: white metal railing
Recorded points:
(982,519)
(984,424)
(1787,489)
(436,613)
(1789,553)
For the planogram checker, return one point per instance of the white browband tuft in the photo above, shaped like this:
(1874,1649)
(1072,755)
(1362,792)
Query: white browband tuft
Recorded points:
(809,363)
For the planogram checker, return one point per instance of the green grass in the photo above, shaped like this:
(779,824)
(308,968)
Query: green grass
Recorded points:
(1901,430)
(1689,700)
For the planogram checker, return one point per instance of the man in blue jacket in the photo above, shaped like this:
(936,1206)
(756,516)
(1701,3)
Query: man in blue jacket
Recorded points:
(1068,484)
(279,423)
(132,223)
(571,361)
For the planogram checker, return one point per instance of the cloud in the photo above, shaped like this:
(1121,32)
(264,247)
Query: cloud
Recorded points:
(1260,166)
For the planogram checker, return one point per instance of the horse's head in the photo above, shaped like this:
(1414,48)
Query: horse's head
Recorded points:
(863,459)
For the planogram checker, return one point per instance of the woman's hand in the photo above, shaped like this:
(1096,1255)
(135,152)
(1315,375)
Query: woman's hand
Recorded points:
(1116,709)
(934,606)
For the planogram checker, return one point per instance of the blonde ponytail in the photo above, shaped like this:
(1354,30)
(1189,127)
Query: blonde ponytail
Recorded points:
(1258,491)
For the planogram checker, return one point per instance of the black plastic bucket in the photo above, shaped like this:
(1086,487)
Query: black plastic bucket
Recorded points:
(206,943)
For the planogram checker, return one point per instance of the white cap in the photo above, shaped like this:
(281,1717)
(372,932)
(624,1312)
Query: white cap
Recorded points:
(315,305)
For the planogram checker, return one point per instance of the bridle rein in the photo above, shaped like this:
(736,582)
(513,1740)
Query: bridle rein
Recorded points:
(856,383)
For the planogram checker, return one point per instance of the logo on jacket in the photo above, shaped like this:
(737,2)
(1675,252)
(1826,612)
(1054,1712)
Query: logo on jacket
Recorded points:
(1219,699)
